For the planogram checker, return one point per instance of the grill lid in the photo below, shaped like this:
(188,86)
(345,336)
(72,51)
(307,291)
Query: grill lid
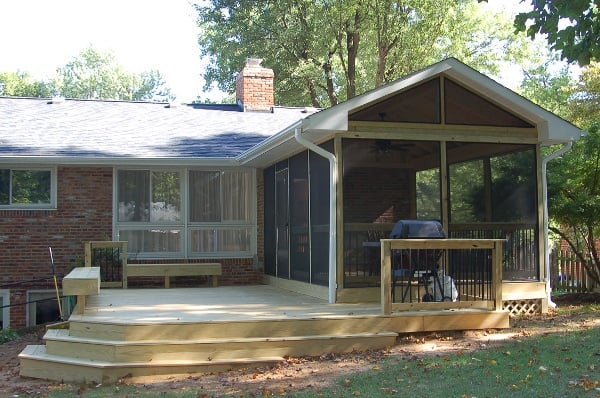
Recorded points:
(406,229)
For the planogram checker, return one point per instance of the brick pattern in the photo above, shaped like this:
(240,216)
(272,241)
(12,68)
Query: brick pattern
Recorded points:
(374,195)
(260,216)
(254,87)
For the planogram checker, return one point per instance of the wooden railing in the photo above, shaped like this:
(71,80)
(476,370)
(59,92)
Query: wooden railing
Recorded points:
(111,258)
(476,287)
(519,251)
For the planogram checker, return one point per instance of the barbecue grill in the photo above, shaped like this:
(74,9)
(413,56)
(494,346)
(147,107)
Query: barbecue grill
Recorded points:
(419,267)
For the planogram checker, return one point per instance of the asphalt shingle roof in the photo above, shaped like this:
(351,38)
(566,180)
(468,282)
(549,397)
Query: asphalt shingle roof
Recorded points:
(97,129)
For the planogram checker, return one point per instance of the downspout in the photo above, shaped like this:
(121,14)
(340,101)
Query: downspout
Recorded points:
(332,205)
(545,161)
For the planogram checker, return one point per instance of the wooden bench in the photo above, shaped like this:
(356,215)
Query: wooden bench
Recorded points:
(169,270)
(82,282)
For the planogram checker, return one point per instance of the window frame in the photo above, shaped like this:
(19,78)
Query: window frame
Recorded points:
(5,295)
(34,206)
(185,226)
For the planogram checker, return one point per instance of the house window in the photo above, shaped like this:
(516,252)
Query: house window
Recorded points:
(5,312)
(27,188)
(186,212)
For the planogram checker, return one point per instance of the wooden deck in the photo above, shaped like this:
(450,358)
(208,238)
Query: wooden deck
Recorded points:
(148,332)
(225,303)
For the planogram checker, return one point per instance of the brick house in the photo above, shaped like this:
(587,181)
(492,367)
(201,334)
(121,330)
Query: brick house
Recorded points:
(276,194)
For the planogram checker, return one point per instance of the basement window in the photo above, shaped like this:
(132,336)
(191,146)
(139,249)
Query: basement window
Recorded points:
(43,307)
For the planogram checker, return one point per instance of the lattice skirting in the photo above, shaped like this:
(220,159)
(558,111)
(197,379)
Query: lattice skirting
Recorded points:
(523,307)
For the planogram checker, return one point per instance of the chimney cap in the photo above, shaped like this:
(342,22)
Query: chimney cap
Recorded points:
(252,61)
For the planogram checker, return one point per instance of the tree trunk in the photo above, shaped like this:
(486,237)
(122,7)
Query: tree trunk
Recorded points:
(314,98)
(327,69)
(352,43)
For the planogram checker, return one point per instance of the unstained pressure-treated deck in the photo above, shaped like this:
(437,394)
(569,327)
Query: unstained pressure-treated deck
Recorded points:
(146,332)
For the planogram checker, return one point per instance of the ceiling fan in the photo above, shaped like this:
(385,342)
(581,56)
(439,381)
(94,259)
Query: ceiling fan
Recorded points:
(382,147)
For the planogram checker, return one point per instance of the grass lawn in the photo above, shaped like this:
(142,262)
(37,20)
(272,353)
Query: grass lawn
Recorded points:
(551,365)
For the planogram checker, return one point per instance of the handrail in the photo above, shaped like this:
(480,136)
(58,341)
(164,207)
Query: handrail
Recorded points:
(387,245)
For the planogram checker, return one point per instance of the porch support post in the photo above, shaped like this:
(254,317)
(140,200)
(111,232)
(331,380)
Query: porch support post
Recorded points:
(545,161)
(333,170)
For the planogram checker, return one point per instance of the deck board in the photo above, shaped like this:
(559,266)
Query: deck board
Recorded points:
(224,303)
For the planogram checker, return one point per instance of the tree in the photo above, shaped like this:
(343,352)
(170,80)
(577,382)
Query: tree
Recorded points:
(21,84)
(574,179)
(552,90)
(570,26)
(327,51)
(97,75)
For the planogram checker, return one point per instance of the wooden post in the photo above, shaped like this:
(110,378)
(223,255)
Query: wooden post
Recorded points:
(386,277)
(497,273)
(88,254)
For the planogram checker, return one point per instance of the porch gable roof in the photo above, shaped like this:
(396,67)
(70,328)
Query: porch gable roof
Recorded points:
(317,127)
(551,128)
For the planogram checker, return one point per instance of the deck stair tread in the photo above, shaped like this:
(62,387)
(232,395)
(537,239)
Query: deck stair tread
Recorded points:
(38,352)
(63,335)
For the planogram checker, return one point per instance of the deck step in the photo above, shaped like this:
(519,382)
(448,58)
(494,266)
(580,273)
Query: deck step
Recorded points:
(36,362)
(59,342)
(229,329)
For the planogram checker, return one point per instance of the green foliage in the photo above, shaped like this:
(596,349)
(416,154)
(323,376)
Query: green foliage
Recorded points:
(574,179)
(97,75)
(325,52)
(551,90)
(92,74)
(571,27)
(21,84)
(7,335)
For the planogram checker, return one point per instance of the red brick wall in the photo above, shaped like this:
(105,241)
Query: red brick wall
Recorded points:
(376,195)
(260,215)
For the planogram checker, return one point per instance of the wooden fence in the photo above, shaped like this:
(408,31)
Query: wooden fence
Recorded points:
(567,274)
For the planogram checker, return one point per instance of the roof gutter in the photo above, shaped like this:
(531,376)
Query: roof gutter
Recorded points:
(333,166)
(567,146)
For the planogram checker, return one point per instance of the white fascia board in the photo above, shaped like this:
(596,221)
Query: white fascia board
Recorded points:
(122,161)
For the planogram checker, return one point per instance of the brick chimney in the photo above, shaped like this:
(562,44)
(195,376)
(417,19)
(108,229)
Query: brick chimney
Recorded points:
(254,86)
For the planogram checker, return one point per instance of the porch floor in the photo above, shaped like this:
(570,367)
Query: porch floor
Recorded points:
(225,303)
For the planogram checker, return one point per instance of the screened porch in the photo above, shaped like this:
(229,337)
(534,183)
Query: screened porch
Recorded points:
(477,191)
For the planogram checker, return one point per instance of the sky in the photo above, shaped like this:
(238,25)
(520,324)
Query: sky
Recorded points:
(38,36)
